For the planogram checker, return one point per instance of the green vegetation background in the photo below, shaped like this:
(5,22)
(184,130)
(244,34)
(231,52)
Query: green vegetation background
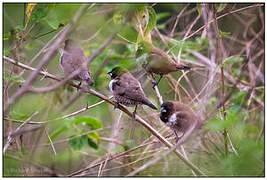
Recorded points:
(77,148)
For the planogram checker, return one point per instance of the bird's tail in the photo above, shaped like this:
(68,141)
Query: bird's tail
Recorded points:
(182,67)
(148,103)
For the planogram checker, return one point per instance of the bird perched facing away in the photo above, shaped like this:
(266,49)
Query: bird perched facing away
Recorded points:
(126,89)
(180,118)
(72,59)
(157,61)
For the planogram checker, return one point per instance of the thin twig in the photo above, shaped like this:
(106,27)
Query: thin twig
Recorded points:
(156,89)
(139,119)
(219,56)
(231,12)
(177,19)
(47,57)
(52,145)
(9,138)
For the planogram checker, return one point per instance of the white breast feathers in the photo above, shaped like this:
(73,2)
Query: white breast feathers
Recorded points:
(111,84)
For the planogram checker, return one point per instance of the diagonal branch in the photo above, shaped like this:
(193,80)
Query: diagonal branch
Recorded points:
(48,56)
(137,118)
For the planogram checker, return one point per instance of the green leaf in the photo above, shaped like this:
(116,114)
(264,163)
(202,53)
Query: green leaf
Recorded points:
(66,125)
(92,144)
(19,28)
(7,36)
(224,33)
(58,132)
(6,51)
(39,14)
(6,76)
(215,123)
(94,123)
(250,159)
(93,140)
(232,116)
(152,22)
(128,32)
(232,60)
(19,115)
(14,79)
(17,79)
(199,9)
(220,7)
(117,18)
(78,143)
(52,21)
(161,26)
(130,143)
(160,16)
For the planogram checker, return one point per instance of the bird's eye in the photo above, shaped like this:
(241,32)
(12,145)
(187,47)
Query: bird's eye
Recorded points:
(163,110)
(110,73)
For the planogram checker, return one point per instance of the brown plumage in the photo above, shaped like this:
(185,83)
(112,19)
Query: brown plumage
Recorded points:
(157,61)
(180,118)
(73,58)
(126,89)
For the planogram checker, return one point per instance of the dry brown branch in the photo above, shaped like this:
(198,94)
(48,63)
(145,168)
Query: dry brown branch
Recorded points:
(9,138)
(177,19)
(47,57)
(51,142)
(231,12)
(138,119)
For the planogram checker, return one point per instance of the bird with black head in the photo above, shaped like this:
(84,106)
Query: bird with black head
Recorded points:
(126,89)
(180,118)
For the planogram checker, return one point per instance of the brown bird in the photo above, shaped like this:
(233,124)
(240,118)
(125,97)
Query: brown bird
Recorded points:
(126,89)
(157,61)
(72,59)
(180,118)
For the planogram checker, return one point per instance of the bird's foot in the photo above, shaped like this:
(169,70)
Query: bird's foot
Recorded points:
(79,86)
(116,105)
(177,140)
(154,84)
(134,113)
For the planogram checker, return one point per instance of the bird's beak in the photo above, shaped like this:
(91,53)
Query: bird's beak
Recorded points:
(109,73)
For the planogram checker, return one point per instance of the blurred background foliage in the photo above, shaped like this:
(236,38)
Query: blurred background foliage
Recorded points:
(87,138)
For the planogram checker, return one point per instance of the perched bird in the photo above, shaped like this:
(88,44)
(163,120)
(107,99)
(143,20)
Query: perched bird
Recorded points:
(157,61)
(126,89)
(180,118)
(73,58)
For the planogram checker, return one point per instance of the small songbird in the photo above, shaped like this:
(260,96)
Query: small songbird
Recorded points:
(157,61)
(126,89)
(180,118)
(72,59)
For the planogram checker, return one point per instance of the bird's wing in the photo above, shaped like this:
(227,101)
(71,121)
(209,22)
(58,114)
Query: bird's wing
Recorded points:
(129,87)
